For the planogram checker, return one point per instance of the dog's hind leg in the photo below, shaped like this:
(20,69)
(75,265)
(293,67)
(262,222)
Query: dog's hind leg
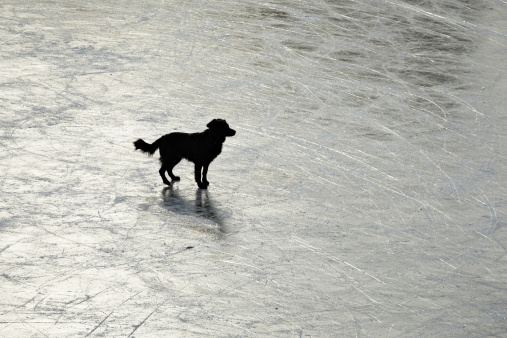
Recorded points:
(162,171)
(169,167)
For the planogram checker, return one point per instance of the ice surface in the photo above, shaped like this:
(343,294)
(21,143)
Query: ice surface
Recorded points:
(364,193)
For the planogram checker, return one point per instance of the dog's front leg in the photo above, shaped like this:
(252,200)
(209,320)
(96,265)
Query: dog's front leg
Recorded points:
(198,168)
(204,174)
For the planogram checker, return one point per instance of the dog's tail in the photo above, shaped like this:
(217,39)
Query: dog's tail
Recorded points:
(146,147)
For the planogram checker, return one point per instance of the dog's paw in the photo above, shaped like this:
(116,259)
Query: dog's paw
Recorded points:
(202,186)
(176,178)
(167,182)
(206,183)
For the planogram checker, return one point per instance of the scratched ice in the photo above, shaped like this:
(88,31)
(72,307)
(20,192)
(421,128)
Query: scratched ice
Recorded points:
(363,195)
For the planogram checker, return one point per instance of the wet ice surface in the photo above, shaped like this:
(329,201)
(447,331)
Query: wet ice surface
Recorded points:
(363,194)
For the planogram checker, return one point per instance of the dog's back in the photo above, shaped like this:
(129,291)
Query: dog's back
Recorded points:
(180,144)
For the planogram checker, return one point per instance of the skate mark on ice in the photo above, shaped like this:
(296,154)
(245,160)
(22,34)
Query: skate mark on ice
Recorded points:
(147,317)
(110,313)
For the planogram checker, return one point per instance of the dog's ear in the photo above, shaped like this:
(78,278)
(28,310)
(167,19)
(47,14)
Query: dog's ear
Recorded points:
(215,123)
(212,123)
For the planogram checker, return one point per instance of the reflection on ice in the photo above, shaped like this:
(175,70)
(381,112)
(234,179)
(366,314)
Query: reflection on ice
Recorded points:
(210,219)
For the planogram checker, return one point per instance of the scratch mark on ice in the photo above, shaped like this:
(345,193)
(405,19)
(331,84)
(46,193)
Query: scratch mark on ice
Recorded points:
(147,317)
(102,321)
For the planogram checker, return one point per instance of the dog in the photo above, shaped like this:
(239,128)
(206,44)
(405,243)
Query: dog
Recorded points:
(200,148)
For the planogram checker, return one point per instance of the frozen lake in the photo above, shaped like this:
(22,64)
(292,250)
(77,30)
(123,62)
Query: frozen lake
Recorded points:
(364,193)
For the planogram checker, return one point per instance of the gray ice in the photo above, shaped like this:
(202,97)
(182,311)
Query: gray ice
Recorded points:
(363,195)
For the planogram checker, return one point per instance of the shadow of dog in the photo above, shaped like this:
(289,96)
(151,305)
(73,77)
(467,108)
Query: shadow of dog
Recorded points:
(210,219)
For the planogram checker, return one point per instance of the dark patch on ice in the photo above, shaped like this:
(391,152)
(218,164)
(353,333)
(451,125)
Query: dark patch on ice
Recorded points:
(274,13)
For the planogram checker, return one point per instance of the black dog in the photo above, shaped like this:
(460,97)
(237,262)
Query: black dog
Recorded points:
(199,148)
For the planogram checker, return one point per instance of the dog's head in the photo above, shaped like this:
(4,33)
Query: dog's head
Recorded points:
(222,127)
